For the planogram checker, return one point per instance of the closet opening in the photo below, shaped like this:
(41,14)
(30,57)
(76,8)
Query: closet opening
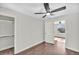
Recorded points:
(6,35)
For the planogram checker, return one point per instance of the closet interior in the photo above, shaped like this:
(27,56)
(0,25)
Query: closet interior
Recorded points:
(6,32)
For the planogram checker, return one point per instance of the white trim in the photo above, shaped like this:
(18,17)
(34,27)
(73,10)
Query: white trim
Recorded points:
(6,47)
(73,49)
(16,52)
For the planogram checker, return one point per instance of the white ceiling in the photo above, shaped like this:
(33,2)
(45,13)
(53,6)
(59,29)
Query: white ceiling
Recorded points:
(31,8)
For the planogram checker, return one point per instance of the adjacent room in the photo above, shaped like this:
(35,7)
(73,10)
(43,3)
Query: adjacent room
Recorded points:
(39,29)
(59,31)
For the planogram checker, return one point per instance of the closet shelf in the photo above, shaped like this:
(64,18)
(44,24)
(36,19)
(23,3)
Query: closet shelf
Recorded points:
(7,36)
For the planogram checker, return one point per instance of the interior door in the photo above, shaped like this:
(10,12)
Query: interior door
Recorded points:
(49,32)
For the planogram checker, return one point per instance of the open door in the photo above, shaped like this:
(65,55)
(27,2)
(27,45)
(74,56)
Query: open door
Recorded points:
(49,32)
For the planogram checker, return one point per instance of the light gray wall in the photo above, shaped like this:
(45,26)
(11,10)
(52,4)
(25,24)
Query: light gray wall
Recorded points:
(6,32)
(72,37)
(49,32)
(72,28)
(28,30)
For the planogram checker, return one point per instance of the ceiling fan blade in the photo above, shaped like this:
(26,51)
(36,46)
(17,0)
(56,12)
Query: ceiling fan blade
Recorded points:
(59,9)
(39,13)
(46,6)
(44,16)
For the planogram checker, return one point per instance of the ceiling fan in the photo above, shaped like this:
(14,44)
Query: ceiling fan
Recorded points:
(48,12)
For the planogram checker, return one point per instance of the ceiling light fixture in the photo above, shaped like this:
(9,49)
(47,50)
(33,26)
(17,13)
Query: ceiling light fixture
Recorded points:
(48,14)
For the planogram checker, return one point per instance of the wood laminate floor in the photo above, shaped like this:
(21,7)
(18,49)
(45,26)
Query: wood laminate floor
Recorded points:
(50,49)
(44,49)
(7,52)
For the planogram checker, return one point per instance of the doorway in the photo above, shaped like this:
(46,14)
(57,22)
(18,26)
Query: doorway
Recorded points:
(55,31)
(59,31)
(56,36)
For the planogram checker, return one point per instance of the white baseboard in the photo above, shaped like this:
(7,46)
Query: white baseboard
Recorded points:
(27,47)
(4,48)
(76,50)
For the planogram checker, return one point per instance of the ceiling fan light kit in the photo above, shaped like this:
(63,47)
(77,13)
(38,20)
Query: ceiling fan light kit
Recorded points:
(48,12)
